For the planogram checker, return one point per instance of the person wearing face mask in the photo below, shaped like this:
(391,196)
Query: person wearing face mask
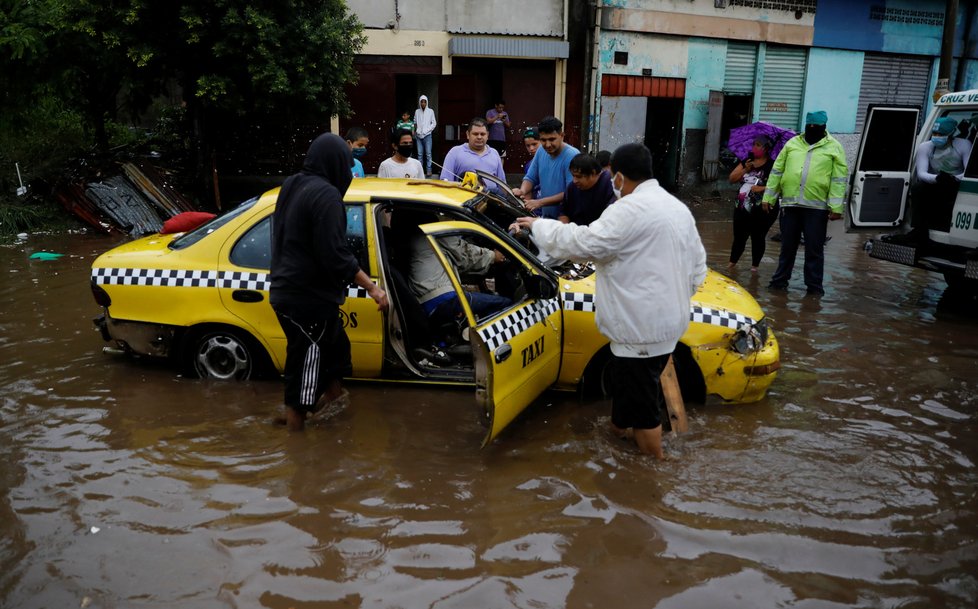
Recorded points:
(750,219)
(809,176)
(357,139)
(650,261)
(940,166)
(401,165)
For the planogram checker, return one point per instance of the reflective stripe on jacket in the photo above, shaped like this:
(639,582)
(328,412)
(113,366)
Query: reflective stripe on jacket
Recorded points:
(809,176)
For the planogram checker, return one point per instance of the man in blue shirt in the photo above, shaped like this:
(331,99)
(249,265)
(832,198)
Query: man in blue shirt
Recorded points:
(550,170)
(357,139)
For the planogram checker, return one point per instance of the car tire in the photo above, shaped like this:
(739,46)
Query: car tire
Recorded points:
(222,354)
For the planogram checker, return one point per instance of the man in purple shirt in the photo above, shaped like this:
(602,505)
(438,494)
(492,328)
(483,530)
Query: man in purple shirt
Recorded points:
(498,120)
(473,155)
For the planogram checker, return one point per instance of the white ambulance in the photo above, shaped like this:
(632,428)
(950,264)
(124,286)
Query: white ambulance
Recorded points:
(884,183)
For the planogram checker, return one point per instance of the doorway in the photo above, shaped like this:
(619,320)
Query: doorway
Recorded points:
(663,123)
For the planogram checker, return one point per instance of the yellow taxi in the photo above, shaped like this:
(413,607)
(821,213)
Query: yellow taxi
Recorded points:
(200,298)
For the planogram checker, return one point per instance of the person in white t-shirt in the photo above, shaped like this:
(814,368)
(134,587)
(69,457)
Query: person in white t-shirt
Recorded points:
(401,165)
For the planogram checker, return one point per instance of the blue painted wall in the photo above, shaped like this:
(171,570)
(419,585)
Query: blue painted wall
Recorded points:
(832,84)
(704,72)
(846,24)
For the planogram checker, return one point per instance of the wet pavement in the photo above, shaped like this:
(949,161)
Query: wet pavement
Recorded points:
(853,484)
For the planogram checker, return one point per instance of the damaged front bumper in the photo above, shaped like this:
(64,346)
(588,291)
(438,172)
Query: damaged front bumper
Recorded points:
(140,338)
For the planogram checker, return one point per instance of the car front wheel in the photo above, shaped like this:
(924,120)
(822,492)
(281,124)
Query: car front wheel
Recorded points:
(221,354)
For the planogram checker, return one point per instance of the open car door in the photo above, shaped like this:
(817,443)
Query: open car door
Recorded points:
(517,348)
(881,179)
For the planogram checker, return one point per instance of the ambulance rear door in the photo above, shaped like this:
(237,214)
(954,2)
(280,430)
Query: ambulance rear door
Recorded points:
(880,182)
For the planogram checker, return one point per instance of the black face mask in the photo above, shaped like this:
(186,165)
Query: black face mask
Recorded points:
(814,133)
(405,150)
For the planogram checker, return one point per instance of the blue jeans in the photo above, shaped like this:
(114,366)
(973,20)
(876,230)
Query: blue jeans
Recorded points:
(481,304)
(813,223)
(424,152)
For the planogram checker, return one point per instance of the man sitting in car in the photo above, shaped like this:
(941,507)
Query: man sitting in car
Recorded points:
(427,278)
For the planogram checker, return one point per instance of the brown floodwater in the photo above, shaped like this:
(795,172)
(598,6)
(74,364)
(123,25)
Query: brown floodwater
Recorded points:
(853,484)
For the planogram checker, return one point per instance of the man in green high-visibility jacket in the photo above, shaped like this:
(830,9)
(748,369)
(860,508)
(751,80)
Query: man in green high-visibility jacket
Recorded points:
(810,177)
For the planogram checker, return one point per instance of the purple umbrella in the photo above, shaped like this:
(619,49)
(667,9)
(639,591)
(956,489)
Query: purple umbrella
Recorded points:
(742,138)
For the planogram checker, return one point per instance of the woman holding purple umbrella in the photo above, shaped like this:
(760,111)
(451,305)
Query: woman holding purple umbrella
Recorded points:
(750,220)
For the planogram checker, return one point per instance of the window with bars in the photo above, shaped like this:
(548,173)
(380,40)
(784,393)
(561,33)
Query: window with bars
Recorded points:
(789,6)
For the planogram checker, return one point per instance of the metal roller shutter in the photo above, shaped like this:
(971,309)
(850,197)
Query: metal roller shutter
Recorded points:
(892,79)
(783,88)
(741,65)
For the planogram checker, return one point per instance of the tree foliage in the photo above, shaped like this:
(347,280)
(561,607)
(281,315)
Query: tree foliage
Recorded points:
(232,59)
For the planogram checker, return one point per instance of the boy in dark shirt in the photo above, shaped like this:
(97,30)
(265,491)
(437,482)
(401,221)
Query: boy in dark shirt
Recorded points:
(589,193)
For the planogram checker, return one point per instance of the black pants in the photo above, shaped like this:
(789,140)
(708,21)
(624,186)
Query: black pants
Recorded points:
(752,224)
(317,353)
(637,397)
(933,204)
(795,222)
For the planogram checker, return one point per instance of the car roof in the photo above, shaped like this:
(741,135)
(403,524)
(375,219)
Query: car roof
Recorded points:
(432,191)
(367,189)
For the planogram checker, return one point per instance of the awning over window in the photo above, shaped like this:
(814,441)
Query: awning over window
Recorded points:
(642,86)
(498,46)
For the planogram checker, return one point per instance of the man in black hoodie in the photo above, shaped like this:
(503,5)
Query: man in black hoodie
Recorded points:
(311,267)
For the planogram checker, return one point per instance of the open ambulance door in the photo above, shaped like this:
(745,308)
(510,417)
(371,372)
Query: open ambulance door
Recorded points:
(516,349)
(881,177)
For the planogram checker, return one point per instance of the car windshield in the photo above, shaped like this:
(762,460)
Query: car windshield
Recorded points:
(501,191)
(188,239)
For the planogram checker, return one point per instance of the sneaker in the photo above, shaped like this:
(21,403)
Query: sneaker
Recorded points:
(815,292)
(783,287)
(433,356)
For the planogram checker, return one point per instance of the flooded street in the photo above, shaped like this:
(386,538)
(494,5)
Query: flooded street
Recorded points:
(853,484)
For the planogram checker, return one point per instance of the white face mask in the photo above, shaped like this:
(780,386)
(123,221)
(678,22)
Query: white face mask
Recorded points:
(617,190)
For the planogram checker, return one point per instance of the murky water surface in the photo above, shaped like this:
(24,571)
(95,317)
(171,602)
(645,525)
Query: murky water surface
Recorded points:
(853,484)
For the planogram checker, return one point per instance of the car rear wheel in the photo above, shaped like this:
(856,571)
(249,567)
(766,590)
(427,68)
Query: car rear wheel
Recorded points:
(222,354)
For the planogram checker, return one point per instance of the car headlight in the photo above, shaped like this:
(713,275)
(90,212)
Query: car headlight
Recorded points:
(750,338)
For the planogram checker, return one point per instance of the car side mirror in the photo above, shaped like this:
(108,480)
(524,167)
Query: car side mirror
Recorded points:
(539,287)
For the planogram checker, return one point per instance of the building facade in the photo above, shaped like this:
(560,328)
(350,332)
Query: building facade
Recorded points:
(679,74)
(464,55)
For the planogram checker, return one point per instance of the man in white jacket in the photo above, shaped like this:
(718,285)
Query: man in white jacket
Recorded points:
(424,126)
(650,262)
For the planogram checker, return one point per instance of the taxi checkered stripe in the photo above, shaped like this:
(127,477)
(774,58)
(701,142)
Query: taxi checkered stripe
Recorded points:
(717,317)
(516,322)
(576,301)
(156,277)
(234,280)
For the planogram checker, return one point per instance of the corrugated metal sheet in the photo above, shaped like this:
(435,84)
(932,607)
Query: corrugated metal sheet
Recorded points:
(783,87)
(741,65)
(892,79)
(495,46)
(642,86)
(117,198)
